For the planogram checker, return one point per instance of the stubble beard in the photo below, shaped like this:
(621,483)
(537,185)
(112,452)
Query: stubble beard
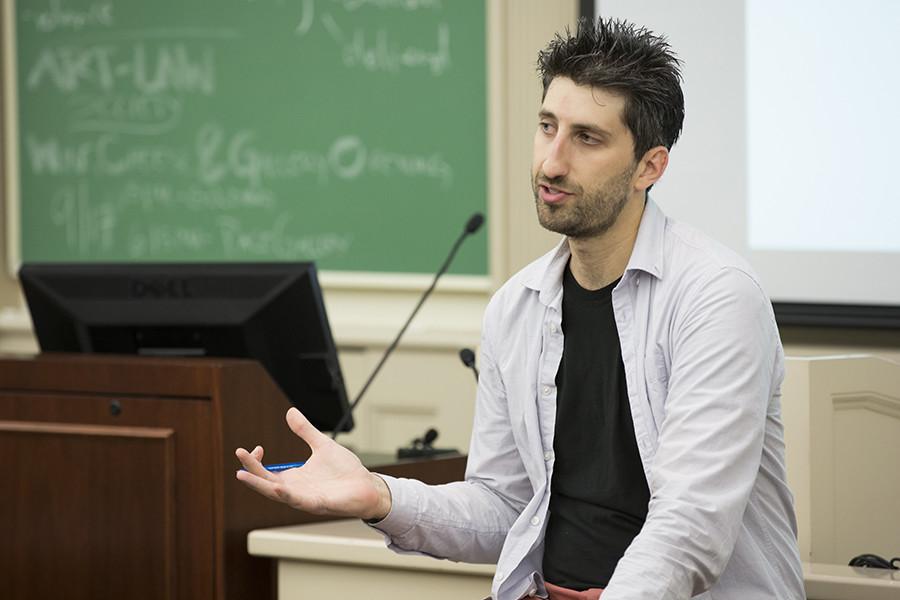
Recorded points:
(588,213)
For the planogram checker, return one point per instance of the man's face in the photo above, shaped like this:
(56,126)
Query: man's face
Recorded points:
(583,168)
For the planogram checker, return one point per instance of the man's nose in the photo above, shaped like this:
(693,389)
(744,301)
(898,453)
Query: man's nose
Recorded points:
(556,162)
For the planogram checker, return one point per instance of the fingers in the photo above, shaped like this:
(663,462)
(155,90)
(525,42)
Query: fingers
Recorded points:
(305,430)
(258,453)
(273,487)
(252,463)
(255,475)
(270,489)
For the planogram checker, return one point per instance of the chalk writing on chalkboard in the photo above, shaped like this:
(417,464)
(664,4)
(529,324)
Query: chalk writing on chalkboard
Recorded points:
(261,130)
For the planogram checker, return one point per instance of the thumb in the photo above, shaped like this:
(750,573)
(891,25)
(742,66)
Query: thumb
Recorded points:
(301,426)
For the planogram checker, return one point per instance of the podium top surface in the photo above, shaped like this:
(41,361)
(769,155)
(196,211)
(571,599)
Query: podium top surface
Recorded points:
(120,374)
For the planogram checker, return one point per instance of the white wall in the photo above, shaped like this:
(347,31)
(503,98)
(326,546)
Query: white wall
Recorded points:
(787,154)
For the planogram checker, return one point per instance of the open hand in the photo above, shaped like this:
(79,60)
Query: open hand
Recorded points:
(332,482)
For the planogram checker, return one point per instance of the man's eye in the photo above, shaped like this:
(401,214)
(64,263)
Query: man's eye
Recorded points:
(588,139)
(546,127)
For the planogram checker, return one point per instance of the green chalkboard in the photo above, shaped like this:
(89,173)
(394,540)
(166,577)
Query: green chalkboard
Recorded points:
(349,132)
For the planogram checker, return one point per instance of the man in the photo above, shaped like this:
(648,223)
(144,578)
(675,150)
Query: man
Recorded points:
(627,436)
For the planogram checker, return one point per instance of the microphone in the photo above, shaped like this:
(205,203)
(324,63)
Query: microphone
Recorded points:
(429,437)
(472,225)
(422,447)
(468,358)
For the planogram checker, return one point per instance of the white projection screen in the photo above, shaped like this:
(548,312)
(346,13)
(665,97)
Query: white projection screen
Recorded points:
(790,145)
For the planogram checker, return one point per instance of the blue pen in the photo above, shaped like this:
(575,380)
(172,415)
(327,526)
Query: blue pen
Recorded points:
(277,468)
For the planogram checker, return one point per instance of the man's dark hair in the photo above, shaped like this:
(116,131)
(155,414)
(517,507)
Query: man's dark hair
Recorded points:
(621,58)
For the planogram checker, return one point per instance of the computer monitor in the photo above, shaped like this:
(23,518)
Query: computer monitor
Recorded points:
(270,312)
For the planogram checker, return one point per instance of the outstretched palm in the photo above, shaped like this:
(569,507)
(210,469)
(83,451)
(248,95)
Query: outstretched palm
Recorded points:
(333,481)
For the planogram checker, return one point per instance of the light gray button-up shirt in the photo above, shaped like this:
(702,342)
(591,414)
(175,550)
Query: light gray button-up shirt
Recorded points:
(703,366)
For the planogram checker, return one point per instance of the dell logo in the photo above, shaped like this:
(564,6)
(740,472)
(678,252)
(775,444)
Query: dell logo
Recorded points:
(160,288)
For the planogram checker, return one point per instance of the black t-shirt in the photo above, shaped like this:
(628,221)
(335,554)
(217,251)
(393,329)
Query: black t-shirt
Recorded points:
(599,494)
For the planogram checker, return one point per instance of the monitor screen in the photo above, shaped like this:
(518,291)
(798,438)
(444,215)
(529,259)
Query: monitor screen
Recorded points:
(270,312)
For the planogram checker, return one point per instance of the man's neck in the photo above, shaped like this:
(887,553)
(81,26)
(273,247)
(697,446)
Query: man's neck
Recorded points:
(600,260)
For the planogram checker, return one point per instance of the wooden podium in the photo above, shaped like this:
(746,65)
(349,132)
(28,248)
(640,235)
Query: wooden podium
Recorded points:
(119,478)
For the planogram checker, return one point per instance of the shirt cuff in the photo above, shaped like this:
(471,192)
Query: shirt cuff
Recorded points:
(404,507)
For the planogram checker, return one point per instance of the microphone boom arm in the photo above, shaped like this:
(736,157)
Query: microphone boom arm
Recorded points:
(472,225)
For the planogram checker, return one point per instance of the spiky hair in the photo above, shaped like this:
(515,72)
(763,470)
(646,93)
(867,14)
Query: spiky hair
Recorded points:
(619,57)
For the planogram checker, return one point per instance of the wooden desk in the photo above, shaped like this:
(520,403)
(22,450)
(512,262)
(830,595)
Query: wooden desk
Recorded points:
(348,559)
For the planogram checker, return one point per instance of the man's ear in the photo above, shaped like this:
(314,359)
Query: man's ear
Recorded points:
(651,167)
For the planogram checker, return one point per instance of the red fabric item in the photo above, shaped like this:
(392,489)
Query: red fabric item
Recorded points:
(560,593)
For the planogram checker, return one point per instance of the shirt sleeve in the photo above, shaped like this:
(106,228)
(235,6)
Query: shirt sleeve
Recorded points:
(466,521)
(724,352)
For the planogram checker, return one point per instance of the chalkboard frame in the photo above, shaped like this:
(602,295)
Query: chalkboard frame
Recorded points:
(9,166)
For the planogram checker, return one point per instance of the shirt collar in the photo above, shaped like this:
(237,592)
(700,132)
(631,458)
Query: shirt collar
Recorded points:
(545,276)
(649,247)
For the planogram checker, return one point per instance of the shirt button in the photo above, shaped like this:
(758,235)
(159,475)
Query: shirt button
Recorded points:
(548,455)
(546,390)
(499,574)
(535,521)
(554,328)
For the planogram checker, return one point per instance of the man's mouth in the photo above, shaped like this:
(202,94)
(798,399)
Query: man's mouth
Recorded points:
(552,194)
